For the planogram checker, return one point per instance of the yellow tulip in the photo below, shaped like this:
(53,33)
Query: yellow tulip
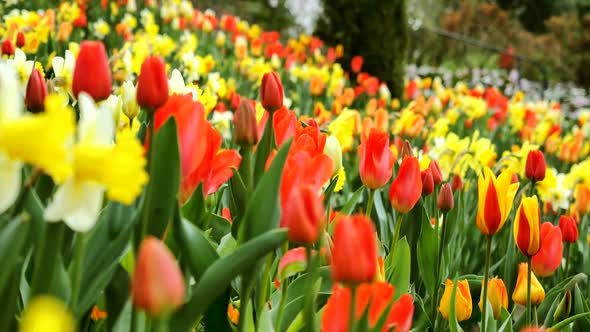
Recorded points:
(497,296)
(537,291)
(527,226)
(495,198)
(463,306)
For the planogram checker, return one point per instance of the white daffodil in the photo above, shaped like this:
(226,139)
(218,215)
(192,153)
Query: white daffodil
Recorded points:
(23,67)
(99,166)
(63,68)
(40,140)
(222,122)
(176,85)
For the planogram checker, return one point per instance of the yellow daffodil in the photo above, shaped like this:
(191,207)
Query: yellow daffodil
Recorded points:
(343,129)
(99,166)
(47,314)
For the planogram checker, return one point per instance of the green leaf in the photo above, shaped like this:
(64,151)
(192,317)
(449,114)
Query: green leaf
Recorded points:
(263,149)
(350,205)
(581,307)
(13,238)
(219,275)
(264,210)
(400,275)
(265,322)
(506,320)
(427,251)
(453,323)
(48,248)
(10,295)
(219,227)
(116,295)
(164,182)
(491,322)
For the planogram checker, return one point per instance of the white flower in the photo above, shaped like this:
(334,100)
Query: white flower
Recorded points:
(176,85)
(22,66)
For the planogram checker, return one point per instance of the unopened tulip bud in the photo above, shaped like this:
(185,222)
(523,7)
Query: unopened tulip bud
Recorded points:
(427,182)
(406,188)
(569,229)
(20,39)
(158,285)
(445,198)
(497,296)
(245,125)
(457,182)
(334,151)
(92,73)
(407,149)
(7,47)
(565,306)
(463,306)
(292,262)
(436,172)
(271,92)
(152,83)
(36,92)
(520,290)
(535,166)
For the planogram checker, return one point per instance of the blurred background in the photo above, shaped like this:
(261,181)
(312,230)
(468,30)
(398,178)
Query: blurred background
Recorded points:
(545,40)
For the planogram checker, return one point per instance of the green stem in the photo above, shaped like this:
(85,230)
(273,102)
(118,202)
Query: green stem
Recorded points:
(21,198)
(265,283)
(134,327)
(439,266)
(77,269)
(370,203)
(245,293)
(528,290)
(484,303)
(567,258)
(351,313)
(247,168)
(398,226)
(309,309)
(161,324)
(532,188)
(281,309)
(149,157)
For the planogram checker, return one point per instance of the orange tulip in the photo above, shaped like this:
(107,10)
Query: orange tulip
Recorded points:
(157,285)
(354,239)
(284,123)
(548,259)
(379,295)
(376,159)
(520,290)
(527,228)
(495,197)
(303,215)
(407,187)
(463,306)
(497,296)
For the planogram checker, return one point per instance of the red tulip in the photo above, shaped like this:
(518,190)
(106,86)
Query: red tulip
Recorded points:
(457,182)
(445,201)
(569,229)
(92,73)
(36,92)
(436,172)
(527,228)
(356,64)
(354,240)
(271,92)
(245,126)
(284,122)
(152,83)
(20,39)
(535,166)
(7,47)
(377,296)
(304,167)
(376,159)
(427,182)
(303,215)
(157,285)
(548,259)
(407,187)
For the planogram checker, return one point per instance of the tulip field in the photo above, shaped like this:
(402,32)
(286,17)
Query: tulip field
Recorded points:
(164,168)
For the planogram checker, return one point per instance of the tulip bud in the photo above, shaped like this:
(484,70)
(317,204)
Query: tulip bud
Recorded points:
(407,150)
(7,47)
(564,307)
(445,198)
(463,306)
(157,286)
(527,226)
(535,166)
(334,151)
(436,172)
(456,183)
(92,73)
(245,125)
(271,92)
(354,239)
(292,262)
(36,92)
(520,290)
(303,215)
(152,83)
(406,189)
(514,178)
(497,296)
(20,39)
(427,182)
(569,229)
